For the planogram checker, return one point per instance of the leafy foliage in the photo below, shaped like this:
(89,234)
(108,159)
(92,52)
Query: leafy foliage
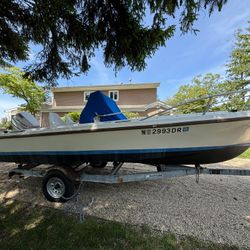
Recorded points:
(74,116)
(238,68)
(70,31)
(238,77)
(12,82)
(200,86)
(130,115)
(5,124)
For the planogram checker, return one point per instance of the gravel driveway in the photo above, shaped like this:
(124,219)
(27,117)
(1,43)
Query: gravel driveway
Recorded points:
(216,209)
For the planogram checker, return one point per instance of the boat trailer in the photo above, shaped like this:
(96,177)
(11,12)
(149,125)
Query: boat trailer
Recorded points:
(60,182)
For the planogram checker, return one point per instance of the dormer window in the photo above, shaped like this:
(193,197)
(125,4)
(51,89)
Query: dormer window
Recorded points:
(114,94)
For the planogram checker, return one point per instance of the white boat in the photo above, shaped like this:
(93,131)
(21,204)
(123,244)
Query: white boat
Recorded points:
(106,135)
(177,139)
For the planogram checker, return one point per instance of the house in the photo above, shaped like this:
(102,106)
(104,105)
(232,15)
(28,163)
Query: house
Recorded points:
(138,98)
(11,112)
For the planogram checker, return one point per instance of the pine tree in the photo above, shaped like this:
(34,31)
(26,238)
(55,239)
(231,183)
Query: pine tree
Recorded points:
(69,32)
(238,68)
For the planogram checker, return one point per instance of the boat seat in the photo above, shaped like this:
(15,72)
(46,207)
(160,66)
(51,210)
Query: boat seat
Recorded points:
(55,120)
(24,120)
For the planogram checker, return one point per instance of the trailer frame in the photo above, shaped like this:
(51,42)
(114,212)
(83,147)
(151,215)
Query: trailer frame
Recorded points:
(114,177)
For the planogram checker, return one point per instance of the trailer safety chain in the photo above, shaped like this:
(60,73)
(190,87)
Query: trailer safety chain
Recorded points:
(82,207)
(81,213)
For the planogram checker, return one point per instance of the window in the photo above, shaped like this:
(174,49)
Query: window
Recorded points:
(114,94)
(86,95)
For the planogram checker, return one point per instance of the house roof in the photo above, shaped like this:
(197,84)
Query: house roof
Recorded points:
(158,104)
(107,87)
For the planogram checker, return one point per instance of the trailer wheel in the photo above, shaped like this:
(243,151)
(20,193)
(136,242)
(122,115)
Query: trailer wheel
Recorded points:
(98,164)
(57,187)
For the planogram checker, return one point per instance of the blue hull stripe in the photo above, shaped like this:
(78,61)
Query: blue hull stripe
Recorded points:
(130,151)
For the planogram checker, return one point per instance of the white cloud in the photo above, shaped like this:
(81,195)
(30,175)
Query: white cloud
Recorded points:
(219,69)
(218,31)
(229,24)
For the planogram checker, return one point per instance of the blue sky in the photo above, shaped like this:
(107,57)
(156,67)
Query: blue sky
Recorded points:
(184,57)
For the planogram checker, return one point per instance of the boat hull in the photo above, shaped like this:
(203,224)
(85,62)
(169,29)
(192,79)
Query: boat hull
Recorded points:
(197,140)
(189,156)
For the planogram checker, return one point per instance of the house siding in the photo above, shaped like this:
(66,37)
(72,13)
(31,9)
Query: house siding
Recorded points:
(137,96)
(68,99)
(126,97)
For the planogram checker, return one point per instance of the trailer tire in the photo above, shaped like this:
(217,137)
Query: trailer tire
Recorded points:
(98,164)
(57,187)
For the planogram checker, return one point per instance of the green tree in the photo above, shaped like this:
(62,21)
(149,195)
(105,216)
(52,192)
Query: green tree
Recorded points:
(4,124)
(70,31)
(12,82)
(238,67)
(199,87)
(238,70)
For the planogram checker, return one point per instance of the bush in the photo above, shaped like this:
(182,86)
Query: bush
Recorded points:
(130,115)
(74,116)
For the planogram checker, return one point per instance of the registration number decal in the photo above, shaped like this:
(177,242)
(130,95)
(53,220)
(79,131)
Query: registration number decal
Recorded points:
(170,130)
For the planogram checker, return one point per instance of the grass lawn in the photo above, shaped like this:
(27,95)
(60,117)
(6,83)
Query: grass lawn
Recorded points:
(23,226)
(246,154)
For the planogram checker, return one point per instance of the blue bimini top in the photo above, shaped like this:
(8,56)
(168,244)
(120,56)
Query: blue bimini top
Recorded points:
(100,104)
